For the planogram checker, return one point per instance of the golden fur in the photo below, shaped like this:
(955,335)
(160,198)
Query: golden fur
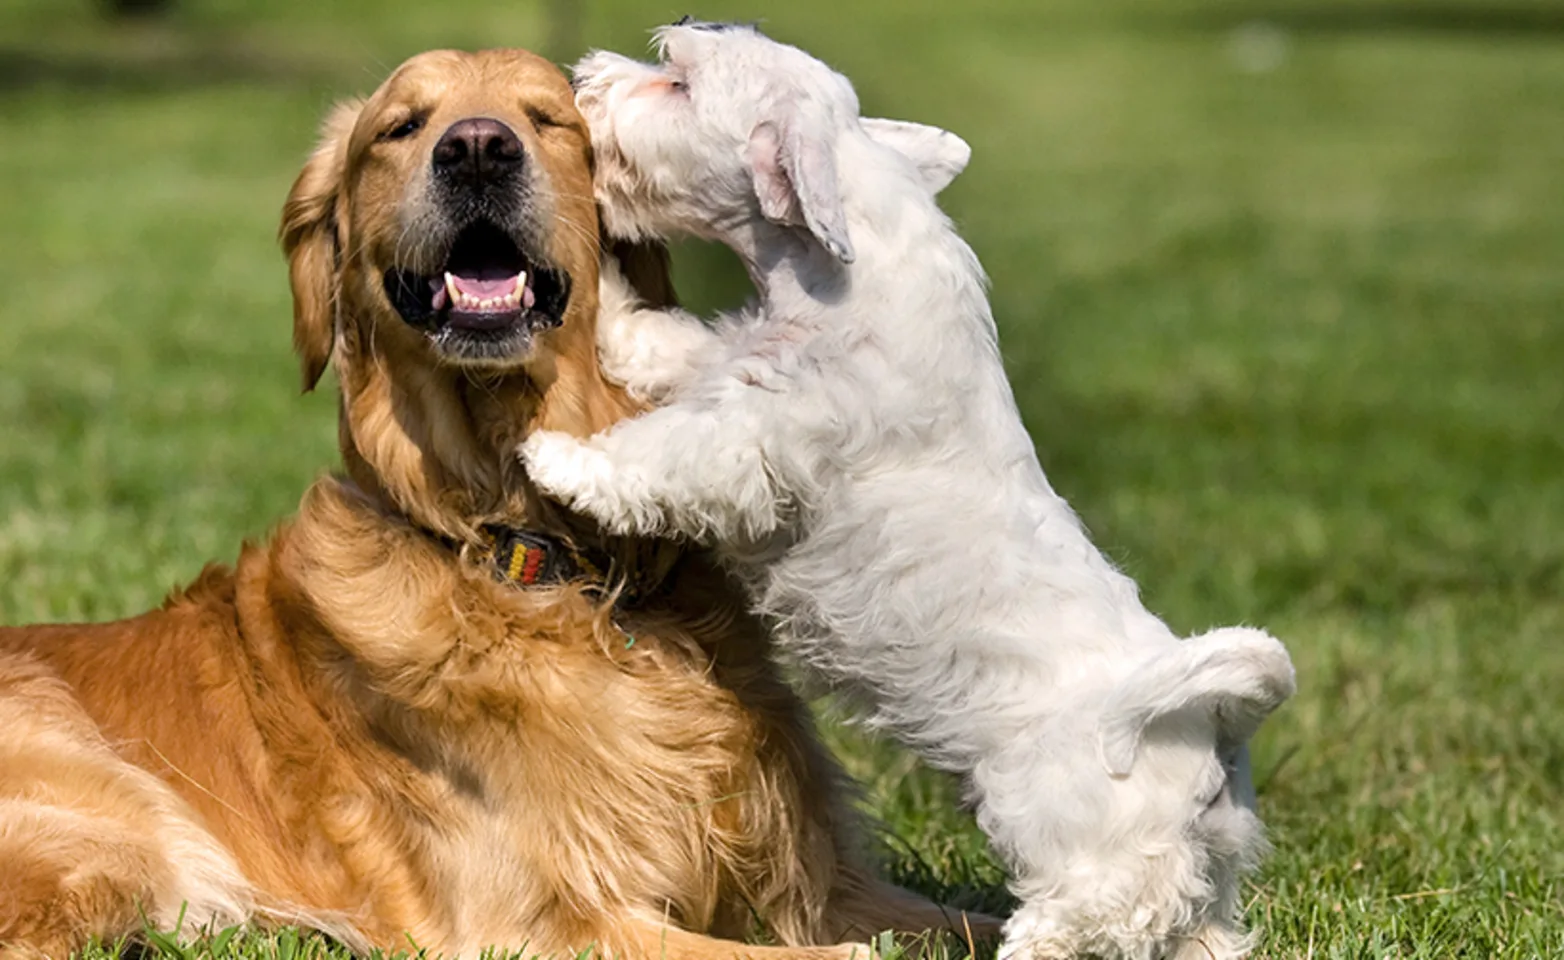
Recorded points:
(358,728)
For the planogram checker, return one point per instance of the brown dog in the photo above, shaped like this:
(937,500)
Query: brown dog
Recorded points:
(433,705)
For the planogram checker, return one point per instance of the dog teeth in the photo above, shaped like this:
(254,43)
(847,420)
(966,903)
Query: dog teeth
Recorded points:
(514,300)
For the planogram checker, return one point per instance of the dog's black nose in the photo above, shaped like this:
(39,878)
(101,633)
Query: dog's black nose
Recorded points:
(478,150)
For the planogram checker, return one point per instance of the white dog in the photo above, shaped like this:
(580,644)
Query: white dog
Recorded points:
(854,449)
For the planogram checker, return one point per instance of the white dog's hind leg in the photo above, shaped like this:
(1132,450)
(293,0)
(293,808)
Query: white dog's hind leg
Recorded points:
(650,352)
(1032,934)
(682,469)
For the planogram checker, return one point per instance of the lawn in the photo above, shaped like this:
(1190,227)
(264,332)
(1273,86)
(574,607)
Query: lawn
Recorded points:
(1280,286)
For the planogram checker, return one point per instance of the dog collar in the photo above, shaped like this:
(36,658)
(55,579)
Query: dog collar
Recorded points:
(531,558)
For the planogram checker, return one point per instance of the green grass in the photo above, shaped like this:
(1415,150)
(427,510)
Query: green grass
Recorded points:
(1289,339)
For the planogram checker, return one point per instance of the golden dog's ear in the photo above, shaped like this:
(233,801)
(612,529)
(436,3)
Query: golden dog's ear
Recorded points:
(648,267)
(310,239)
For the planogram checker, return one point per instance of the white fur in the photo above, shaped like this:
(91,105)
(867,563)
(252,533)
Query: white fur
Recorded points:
(853,448)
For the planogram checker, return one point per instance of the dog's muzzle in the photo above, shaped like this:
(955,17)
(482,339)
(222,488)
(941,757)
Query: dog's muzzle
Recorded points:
(491,291)
(486,284)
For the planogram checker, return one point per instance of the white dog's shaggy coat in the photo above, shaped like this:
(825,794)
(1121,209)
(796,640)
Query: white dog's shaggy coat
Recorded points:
(854,448)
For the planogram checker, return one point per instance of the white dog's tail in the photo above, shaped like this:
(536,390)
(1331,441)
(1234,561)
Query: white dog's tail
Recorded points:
(1237,673)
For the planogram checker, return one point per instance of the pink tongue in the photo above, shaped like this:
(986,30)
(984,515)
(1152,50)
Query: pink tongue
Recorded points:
(485,289)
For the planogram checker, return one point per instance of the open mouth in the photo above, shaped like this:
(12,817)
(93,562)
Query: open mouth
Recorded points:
(486,298)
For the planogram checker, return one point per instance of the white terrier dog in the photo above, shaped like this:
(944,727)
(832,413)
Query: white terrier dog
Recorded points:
(854,449)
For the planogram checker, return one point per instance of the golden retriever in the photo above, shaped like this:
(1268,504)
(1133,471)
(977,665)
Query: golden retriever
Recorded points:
(366,725)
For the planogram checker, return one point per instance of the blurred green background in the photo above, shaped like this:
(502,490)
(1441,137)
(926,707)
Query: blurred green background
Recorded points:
(1279,285)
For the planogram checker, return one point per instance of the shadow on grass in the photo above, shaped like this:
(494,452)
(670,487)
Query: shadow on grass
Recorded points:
(1406,16)
(153,57)
(22,70)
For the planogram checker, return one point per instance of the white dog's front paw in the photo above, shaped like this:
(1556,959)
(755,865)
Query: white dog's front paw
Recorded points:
(582,477)
(561,465)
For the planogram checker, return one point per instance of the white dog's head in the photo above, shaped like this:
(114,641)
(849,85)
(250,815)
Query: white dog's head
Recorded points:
(730,124)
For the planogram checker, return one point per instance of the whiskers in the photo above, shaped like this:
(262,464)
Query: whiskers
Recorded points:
(589,237)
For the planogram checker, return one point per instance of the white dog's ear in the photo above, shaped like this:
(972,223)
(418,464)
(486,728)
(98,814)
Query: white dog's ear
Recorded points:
(938,154)
(1238,674)
(794,169)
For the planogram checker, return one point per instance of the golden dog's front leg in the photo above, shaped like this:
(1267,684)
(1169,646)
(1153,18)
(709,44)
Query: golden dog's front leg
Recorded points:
(862,905)
(650,940)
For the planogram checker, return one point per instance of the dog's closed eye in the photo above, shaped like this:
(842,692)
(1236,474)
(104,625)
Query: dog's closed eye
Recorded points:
(404,128)
(541,118)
